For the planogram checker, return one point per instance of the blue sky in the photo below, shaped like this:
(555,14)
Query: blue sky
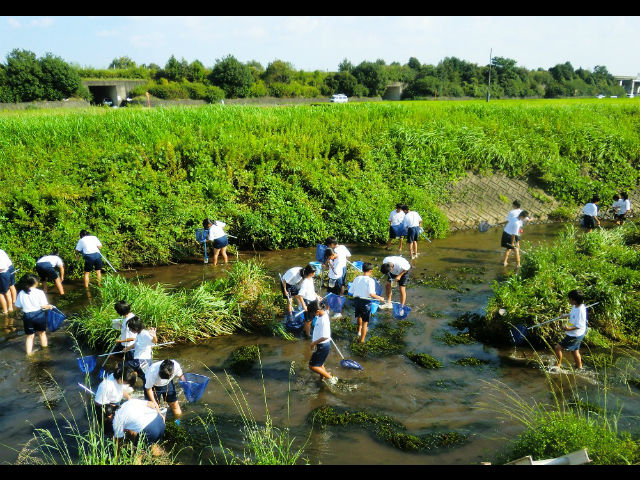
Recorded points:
(311,43)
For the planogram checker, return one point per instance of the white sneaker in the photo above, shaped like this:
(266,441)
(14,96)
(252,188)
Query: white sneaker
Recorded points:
(333,380)
(336,316)
(206,260)
(385,306)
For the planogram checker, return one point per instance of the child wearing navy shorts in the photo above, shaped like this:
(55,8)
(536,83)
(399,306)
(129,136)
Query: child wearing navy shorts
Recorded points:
(364,289)
(321,344)
(575,331)
(34,304)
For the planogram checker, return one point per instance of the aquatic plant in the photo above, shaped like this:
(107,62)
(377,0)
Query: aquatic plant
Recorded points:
(424,360)
(387,338)
(471,362)
(452,340)
(242,359)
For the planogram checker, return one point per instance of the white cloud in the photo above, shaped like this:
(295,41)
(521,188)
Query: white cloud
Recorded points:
(42,22)
(13,22)
(107,33)
(301,25)
(148,40)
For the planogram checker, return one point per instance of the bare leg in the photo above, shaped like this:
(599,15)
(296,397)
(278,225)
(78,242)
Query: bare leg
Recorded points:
(99,274)
(321,370)
(86,279)
(45,286)
(387,289)
(359,326)
(518,256)
(364,331)
(44,342)
(9,301)
(577,358)
(403,294)
(307,328)
(3,304)
(216,252)
(175,408)
(14,293)
(224,255)
(558,351)
(415,247)
(28,344)
(401,239)
(506,256)
(58,283)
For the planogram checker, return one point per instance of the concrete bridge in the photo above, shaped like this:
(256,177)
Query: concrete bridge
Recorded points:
(116,90)
(630,83)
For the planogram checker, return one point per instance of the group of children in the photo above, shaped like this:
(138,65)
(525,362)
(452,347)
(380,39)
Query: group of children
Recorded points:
(620,209)
(136,416)
(405,223)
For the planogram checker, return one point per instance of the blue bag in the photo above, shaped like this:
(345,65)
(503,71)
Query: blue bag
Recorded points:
(54,319)
(194,386)
(320,249)
(399,230)
(335,302)
(295,323)
(400,312)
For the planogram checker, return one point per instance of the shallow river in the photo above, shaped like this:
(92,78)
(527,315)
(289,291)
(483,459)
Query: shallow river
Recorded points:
(423,400)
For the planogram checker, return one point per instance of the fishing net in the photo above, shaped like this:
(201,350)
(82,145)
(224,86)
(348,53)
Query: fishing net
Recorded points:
(201,235)
(194,386)
(400,311)
(320,249)
(358,264)
(483,226)
(335,302)
(518,334)
(378,287)
(352,364)
(54,319)
(374,306)
(318,267)
(87,364)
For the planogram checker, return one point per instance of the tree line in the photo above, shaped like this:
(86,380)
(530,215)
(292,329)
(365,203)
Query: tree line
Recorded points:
(24,77)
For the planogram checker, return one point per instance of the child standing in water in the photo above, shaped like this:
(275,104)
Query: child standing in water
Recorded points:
(8,294)
(291,281)
(307,297)
(412,221)
(511,237)
(127,337)
(145,338)
(321,345)
(396,269)
(364,289)
(396,218)
(46,269)
(625,206)
(90,247)
(575,331)
(219,239)
(337,267)
(33,303)
(590,214)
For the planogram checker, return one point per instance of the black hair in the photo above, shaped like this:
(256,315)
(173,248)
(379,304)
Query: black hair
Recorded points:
(122,307)
(126,374)
(55,253)
(367,267)
(624,195)
(405,208)
(166,369)
(523,214)
(29,282)
(577,296)
(308,269)
(330,240)
(516,204)
(328,253)
(385,268)
(206,222)
(83,233)
(109,409)
(135,324)
(595,199)
(616,197)
(399,205)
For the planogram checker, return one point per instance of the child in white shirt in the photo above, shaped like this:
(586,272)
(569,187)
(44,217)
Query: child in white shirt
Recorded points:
(321,344)
(145,338)
(396,229)
(576,330)
(218,237)
(307,297)
(364,289)
(413,222)
(590,214)
(34,304)
(45,267)
(127,337)
(159,383)
(396,269)
(511,237)
(90,246)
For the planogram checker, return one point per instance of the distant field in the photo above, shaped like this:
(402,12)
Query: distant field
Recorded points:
(287,176)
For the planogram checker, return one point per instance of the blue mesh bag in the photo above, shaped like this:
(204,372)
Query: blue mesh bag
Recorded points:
(54,319)
(87,364)
(320,249)
(399,230)
(400,312)
(201,235)
(296,322)
(374,306)
(194,386)
(335,302)
(358,264)
(318,267)
(378,287)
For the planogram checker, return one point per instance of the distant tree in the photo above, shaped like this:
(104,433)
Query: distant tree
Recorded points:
(380,62)
(196,72)
(58,79)
(122,63)
(372,76)
(232,76)
(345,66)
(342,82)
(562,72)
(256,69)
(176,70)
(23,75)
(279,72)
(414,64)
(421,87)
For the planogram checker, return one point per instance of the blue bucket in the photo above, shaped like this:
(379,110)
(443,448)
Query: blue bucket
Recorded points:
(320,249)
(374,306)
(54,319)
(194,386)
(400,312)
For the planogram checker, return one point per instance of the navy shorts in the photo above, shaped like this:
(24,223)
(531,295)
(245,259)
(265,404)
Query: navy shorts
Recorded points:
(505,242)
(128,355)
(91,261)
(46,271)
(35,322)
(412,234)
(154,431)
(363,308)
(588,221)
(337,285)
(12,272)
(402,282)
(320,354)
(221,242)
(5,282)
(136,365)
(168,392)
(572,343)
(292,290)
(312,308)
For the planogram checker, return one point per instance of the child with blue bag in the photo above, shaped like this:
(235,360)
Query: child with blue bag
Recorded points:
(219,239)
(364,289)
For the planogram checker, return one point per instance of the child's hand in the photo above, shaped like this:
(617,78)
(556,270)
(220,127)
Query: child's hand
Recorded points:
(152,330)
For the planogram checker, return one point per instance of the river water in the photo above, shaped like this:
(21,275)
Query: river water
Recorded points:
(423,400)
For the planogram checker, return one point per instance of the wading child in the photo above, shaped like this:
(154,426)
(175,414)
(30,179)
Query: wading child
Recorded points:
(511,237)
(136,418)
(515,211)
(90,246)
(321,345)
(615,209)
(291,281)
(576,330)
(590,214)
(145,338)
(307,297)
(342,252)
(33,303)
(412,222)
(46,270)
(127,337)
(396,268)
(337,267)
(110,393)
(625,207)
(219,239)
(8,294)
(396,218)
(364,289)
(159,383)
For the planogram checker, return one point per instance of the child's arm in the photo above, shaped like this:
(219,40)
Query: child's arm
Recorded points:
(152,331)
(126,340)
(301,302)
(61,273)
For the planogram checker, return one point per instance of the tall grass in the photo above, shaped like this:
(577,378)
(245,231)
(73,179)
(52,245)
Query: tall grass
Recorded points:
(142,180)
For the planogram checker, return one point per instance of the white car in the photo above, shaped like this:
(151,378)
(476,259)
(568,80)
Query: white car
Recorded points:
(339,98)
(629,95)
(613,96)
(600,96)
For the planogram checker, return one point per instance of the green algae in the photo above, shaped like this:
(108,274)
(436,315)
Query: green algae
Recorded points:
(387,338)
(471,362)
(458,339)
(243,359)
(445,385)
(439,281)
(424,360)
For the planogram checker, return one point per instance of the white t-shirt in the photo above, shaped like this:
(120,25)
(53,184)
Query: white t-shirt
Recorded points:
(88,245)
(590,209)
(513,226)
(109,391)
(336,267)
(363,286)
(396,217)
(216,230)
(399,264)
(322,329)
(144,340)
(625,206)
(578,318)
(53,260)
(5,262)
(292,276)
(412,219)
(617,205)
(342,252)
(514,213)
(133,415)
(32,301)
(122,325)
(308,290)
(152,375)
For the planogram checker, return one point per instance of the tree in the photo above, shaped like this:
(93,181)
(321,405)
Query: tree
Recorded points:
(196,72)
(279,72)
(176,70)
(256,69)
(342,82)
(414,64)
(562,72)
(58,79)
(372,76)
(23,75)
(122,63)
(232,76)
(345,66)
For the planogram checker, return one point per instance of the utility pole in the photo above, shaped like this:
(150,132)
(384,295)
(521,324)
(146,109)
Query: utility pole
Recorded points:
(489,83)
